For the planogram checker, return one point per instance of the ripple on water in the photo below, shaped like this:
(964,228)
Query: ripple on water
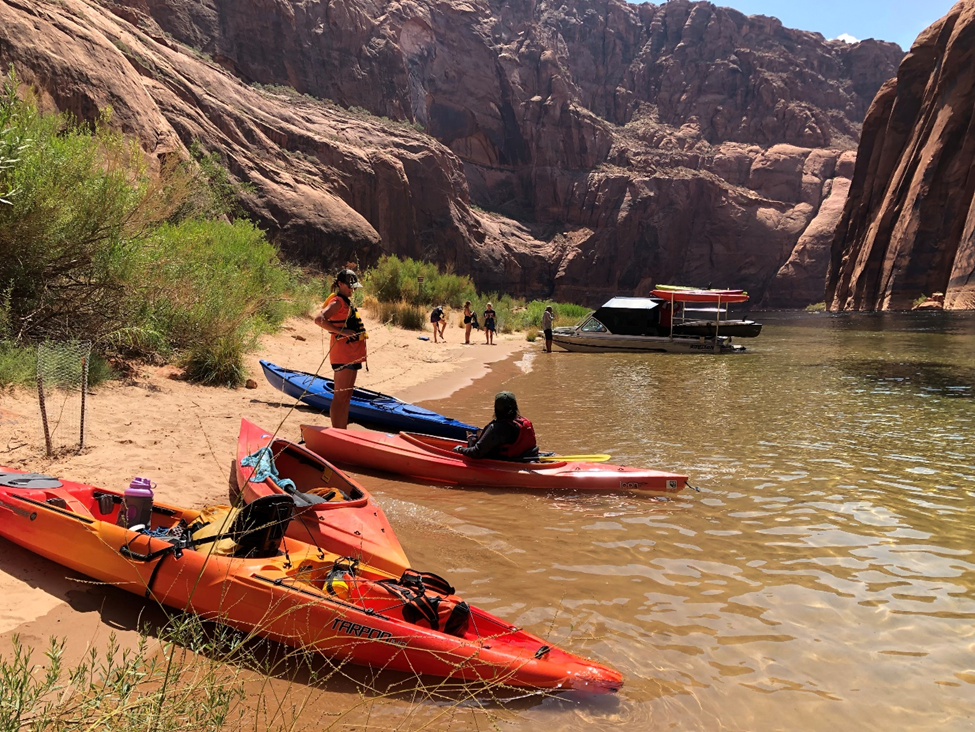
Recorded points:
(822,580)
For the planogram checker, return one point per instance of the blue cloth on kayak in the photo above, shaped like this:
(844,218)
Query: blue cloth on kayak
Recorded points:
(263,463)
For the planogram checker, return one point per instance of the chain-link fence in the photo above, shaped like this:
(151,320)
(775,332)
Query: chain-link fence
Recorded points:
(62,387)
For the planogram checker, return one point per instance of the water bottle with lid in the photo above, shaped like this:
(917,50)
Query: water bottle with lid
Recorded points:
(136,508)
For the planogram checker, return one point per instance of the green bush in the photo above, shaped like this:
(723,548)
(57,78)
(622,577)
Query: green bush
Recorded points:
(392,282)
(395,280)
(403,314)
(211,289)
(135,261)
(18,365)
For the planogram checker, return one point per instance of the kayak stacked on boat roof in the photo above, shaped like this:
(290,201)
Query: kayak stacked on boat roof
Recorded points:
(698,312)
(237,565)
(426,457)
(368,408)
(661,324)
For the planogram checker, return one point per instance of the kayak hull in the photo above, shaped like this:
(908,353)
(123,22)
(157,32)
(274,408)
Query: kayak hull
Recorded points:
(368,408)
(709,296)
(351,524)
(279,597)
(429,458)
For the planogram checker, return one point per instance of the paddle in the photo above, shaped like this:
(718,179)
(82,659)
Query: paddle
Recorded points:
(574,458)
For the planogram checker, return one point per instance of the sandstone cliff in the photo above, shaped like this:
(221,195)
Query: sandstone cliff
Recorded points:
(908,229)
(606,146)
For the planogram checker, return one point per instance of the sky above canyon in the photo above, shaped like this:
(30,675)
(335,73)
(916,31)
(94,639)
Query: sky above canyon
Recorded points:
(899,21)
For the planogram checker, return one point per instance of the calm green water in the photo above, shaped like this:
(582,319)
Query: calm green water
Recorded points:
(822,578)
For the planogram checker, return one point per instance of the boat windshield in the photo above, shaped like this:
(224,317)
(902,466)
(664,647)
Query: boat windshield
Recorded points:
(593,326)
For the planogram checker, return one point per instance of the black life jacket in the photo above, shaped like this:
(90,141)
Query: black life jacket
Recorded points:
(352,321)
(430,602)
(524,442)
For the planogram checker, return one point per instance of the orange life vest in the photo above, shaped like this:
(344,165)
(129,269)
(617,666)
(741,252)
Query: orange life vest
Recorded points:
(345,349)
(524,442)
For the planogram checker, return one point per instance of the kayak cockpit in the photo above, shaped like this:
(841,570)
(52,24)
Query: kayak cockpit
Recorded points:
(314,477)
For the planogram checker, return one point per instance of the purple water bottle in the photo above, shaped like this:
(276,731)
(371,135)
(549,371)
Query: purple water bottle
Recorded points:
(137,503)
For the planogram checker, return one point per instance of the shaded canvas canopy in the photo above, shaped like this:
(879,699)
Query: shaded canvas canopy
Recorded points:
(630,315)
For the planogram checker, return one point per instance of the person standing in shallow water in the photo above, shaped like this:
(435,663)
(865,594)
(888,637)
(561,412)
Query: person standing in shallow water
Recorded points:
(547,317)
(489,324)
(347,349)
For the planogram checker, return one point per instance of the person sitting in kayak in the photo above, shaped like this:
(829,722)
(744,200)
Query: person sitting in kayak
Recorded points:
(509,436)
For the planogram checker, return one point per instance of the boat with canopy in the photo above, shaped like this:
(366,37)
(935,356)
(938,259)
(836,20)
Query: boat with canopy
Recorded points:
(659,324)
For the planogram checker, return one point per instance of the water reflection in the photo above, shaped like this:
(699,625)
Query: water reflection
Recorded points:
(823,579)
(949,380)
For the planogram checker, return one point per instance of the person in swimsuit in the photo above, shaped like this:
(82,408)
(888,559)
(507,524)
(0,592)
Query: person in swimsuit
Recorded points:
(347,347)
(489,321)
(468,313)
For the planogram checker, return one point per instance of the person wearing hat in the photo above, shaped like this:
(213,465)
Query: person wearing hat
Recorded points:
(509,436)
(547,317)
(439,322)
(347,350)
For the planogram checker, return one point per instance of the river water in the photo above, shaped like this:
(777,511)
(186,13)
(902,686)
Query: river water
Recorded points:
(821,579)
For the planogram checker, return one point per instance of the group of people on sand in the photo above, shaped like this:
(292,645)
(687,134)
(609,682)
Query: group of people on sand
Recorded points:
(438,320)
(509,436)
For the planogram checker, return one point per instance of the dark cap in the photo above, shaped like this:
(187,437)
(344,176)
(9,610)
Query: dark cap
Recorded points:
(348,277)
(505,405)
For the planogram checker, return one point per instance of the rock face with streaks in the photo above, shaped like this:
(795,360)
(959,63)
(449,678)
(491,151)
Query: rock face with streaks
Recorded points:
(607,146)
(908,229)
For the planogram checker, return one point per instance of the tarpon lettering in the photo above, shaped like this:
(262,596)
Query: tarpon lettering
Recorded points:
(359,630)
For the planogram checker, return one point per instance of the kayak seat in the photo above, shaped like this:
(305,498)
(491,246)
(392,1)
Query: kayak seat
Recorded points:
(253,530)
(327,493)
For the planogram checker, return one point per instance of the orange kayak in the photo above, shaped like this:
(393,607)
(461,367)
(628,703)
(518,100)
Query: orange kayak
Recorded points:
(338,515)
(432,458)
(235,566)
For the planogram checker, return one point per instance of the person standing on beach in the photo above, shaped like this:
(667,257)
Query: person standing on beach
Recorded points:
(489,324)
(439,323)
(347,350)
(547,318)
(468,313)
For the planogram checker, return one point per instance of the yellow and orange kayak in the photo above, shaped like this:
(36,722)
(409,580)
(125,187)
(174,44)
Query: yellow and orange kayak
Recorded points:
(333,511)
(425,457)
(234,566)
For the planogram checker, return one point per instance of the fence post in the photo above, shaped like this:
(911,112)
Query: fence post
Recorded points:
(40,399)
(84,393)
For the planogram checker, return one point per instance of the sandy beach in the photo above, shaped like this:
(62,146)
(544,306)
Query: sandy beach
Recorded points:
(183,437)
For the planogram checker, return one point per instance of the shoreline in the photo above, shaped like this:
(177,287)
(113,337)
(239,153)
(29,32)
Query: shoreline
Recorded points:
(183,436)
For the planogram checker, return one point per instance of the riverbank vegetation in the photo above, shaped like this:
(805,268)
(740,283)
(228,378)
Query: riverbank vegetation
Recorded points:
(190,675)
(145,260)
(403,291)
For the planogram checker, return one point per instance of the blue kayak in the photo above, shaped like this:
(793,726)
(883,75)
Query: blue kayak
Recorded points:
(368,408)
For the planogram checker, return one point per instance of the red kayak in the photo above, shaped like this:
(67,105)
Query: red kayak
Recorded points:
(709,296)
(333,511)
(432,458)
(237,566)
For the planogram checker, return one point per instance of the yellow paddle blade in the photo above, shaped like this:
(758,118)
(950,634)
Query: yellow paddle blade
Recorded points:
(574,458)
